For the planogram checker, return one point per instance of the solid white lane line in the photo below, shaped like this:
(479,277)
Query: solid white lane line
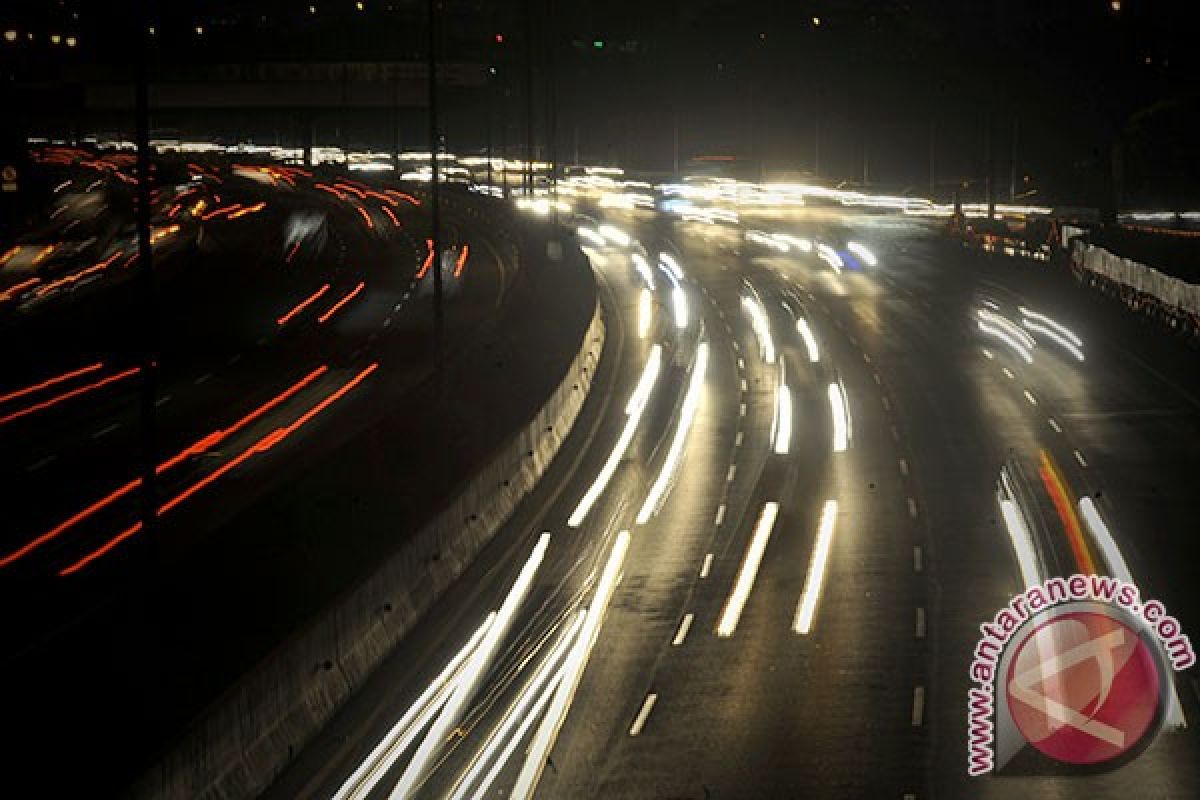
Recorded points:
(720,514)
(903,467)
(1054,424)
(918,709)
(1080,459)
(919,632)
(912,508)
(732,472)
(706,567)
(640,721)
(917,565)
(685,625)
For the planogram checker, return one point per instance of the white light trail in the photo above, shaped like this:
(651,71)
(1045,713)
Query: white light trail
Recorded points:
(645,313)
(1021,541)
(522,715)
(543,740)
(687,415)
(830,257)
(749,570)
(863,253)
(671,264)
(643,268)
(762,328)
(783,413)
(810,341)
(841,419)
(615,235)
(1003,336)
(397,740)
(679,303)
(1066,344)
(1063,330)
(634,409)
(1104,538)
(473,672)
(1013,329)
(592,236)
(806,610)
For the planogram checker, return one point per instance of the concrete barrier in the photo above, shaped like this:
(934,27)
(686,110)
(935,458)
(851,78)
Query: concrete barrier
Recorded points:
(246,739)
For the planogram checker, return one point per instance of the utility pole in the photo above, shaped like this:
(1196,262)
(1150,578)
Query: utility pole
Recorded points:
(988,169)
(932,158)
(1012,166)
(528,13)
(145,278)
(434,191)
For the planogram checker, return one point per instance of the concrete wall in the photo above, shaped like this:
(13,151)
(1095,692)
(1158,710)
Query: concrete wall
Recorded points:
(247,739)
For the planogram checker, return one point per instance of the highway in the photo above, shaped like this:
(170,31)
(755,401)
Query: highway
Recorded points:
(798,618)
(272,335)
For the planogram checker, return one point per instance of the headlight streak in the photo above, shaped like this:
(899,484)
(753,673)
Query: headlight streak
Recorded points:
(783,412)
(761,326)
(414,774)
(592,236)
(615,235)
(671,264)
(634,409)
(810,341)
(830,257)
(1119,569)
(1072,347)
(645,312)
(543,740)
(1018,533)
(749,570)
(806,609)
(521,715)
(687,414)
(1003,329)
(1062,329)
(397,740)
(863,253)
(841,418)
(643,268)
(679,303)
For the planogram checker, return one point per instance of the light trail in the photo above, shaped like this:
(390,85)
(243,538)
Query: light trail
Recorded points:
(841,418)
(397,740)
(634,409)
(547,733)
(303,304)
(783,413)
(806,610)
(46,384)
(810,341)
(336,307)
(863,253)
(749,570)
(69,395)
(687,415)
(473,672)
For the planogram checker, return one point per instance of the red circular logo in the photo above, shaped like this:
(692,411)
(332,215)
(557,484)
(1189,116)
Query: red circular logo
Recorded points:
(1083,688)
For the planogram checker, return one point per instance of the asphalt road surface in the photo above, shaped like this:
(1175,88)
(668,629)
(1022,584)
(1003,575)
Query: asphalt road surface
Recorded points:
(797,618)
